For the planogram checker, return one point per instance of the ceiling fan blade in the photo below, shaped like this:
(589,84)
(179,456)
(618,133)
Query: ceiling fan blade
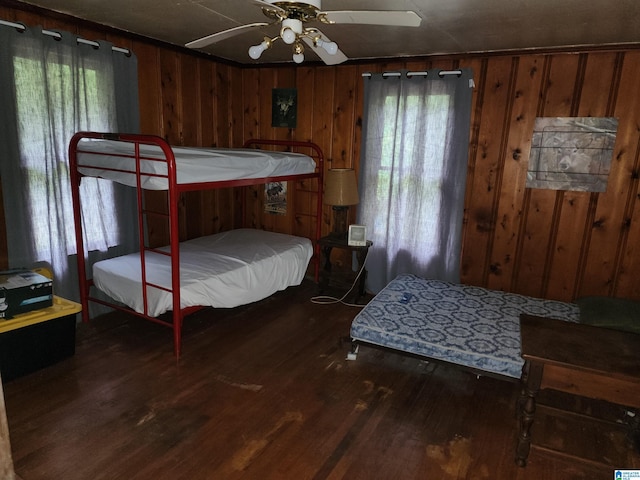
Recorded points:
(326,57)
(217,37)
(374,17)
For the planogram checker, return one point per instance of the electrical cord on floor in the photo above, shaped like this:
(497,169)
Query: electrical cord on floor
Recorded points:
(329,300)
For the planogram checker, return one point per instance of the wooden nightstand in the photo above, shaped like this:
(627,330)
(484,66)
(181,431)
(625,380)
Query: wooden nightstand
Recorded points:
(327,244)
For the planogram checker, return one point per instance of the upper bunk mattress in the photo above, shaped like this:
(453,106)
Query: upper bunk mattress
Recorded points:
(113,160)
(222,270)
(465,325)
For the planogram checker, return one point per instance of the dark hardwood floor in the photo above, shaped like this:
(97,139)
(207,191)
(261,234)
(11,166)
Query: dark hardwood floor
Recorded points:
(265,392)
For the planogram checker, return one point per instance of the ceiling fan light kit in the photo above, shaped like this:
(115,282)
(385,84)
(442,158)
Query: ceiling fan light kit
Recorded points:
(256,50)
(292,17)
(291,28)
(330,47)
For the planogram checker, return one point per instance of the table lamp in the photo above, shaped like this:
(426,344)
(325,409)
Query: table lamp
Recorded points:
(341,191)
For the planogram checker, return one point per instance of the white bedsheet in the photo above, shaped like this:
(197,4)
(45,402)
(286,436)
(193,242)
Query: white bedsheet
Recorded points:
(222,270)
(193,165)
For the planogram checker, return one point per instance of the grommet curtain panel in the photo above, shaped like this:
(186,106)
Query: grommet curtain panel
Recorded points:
(50,87)
(413,169)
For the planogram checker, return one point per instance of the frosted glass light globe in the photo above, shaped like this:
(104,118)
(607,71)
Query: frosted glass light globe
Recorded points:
(330,47)
(255,51)
(288,36)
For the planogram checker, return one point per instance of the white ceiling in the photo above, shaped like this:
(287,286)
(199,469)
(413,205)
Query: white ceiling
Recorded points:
(448,26)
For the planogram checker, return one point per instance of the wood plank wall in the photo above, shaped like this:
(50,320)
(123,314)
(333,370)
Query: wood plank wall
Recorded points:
(553,244)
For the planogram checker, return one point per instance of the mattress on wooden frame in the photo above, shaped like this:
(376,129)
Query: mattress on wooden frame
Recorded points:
(115,160)
(222,270)
(465,325)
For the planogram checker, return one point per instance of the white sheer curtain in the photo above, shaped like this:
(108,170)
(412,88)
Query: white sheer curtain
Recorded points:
(412,173)
(49,89)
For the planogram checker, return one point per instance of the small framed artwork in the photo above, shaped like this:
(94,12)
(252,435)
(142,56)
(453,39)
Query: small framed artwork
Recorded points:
(275,198)
(284,107)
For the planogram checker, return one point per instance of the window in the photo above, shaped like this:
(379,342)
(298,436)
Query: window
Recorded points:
(426,180)
(49,182)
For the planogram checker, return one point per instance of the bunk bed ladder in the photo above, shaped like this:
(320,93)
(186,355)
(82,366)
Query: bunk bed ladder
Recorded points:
(174,250)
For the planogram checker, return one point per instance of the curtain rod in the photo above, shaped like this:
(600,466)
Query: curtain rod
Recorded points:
(57,35)
(441,73)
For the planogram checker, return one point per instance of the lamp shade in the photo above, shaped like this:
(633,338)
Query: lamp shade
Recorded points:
(341,187)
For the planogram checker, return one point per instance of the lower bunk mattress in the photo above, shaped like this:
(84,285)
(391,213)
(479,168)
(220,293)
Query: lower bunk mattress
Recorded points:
(470,326)
(222,270)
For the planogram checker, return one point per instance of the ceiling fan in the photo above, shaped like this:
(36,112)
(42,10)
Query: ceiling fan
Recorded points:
(293,16)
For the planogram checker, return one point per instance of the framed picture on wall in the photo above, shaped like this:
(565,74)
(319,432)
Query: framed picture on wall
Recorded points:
(284,106)
(572,153)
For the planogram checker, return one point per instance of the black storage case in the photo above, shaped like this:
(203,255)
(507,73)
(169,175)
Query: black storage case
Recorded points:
(22,291)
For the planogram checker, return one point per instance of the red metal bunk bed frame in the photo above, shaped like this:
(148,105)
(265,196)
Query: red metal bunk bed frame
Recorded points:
(173,195)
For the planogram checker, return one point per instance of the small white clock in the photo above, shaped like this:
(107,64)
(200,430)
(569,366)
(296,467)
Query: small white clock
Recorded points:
(357,236)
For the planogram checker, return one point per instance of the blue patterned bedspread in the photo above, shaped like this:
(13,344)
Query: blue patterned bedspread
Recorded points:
(465,325)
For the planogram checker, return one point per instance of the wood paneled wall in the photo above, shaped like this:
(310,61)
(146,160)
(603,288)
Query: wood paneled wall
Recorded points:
(553,244)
